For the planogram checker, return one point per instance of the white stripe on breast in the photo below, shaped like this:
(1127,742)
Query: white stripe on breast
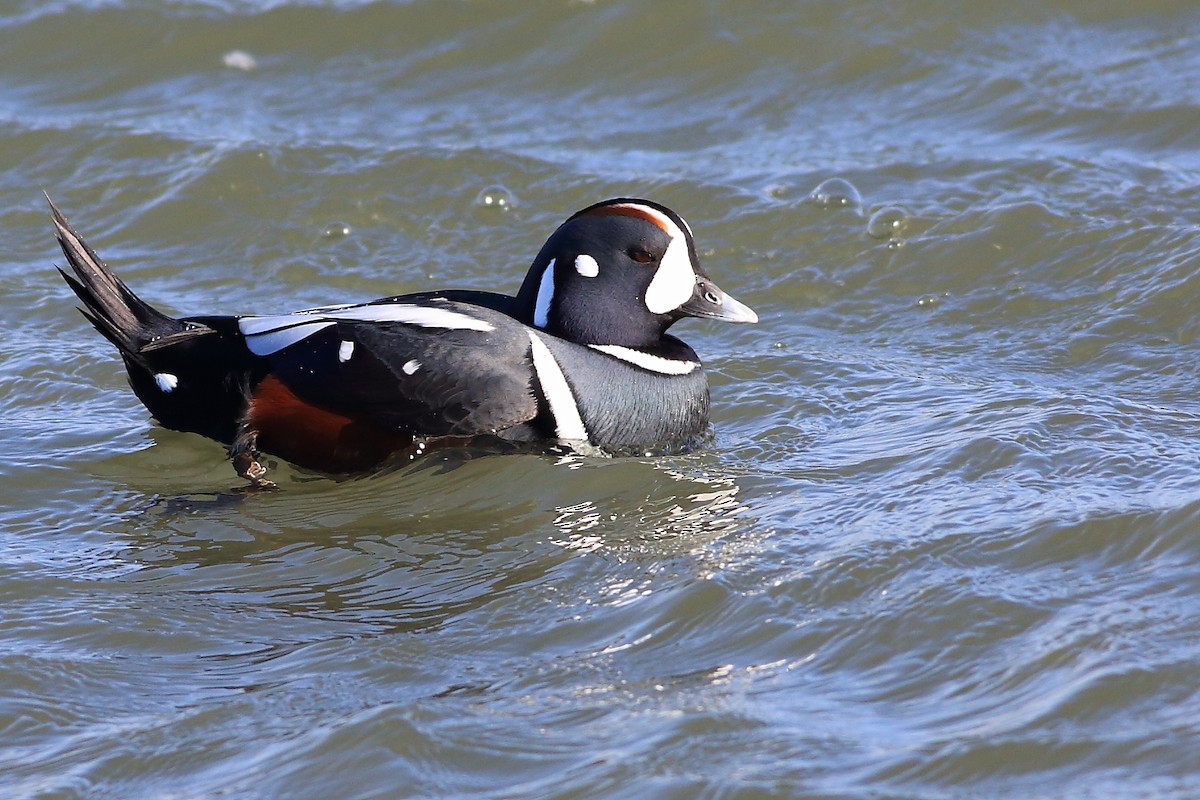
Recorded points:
(567,422)
(663,366)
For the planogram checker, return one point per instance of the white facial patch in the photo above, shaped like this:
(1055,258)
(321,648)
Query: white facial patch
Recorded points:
(586,266)
(647,361)
(673,284)
(266,335)
(674,281)
(541,308)
(411,367)
(345,350)
(166,382)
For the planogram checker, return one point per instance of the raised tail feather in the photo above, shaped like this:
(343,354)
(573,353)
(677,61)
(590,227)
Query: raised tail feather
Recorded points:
(191,375)
(126,320)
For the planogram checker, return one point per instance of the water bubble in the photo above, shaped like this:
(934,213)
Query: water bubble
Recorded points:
(836,193)
(931,300)
(887,222)
(239,59)
(335,230)
(495,197)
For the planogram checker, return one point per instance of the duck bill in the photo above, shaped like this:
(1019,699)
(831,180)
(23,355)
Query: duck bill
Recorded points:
(708,301)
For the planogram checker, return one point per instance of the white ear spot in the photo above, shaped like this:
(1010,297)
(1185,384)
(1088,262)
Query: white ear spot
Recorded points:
(674,281)
(345,351)
(541,308)
(410,367)
(586,266)
(166,382)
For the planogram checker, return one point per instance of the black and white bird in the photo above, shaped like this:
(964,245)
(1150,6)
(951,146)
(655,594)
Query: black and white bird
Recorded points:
(579,357)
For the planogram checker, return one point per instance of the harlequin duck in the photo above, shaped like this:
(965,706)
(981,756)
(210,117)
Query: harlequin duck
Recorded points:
(579,357)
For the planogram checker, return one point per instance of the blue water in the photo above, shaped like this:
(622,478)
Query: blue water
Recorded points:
(942,542)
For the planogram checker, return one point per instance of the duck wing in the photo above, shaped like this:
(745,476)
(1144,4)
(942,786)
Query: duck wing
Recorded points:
(430,366)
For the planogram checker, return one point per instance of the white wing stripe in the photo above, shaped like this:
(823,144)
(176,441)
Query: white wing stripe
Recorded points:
(567,422)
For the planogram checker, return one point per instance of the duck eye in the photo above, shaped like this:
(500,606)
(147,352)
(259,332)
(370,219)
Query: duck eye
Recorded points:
(640,255)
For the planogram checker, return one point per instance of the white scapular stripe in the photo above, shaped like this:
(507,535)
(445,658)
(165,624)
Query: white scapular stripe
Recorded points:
(422,316)
(586,266)
(648,361)
(266,335)
(345,350)
(272,341)
(410,367)
(567,422)
(674,281)
(541,307)
(324,309)
(166,381)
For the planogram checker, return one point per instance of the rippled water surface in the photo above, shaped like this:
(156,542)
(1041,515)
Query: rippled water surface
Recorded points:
(943,542)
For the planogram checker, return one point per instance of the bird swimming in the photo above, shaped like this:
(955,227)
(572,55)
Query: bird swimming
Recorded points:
(580,356)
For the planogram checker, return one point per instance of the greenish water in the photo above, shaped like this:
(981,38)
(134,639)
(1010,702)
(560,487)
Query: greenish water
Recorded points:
(944,541)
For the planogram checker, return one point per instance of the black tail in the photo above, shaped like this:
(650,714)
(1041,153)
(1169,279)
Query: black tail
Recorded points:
(120,315)
(192,374)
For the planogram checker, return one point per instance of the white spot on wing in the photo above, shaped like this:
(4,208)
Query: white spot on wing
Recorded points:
(541,308)
(586,266)
(674,281)
(166,382)
(345,350)
(410,367)
(567,422)
(648,361)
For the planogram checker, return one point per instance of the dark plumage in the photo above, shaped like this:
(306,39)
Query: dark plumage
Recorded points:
(580,356)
